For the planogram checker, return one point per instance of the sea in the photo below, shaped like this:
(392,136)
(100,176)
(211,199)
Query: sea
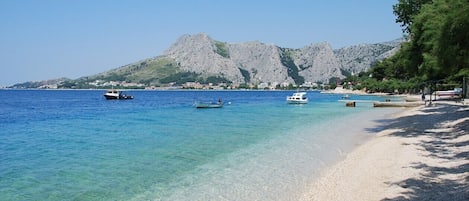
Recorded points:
(76,145)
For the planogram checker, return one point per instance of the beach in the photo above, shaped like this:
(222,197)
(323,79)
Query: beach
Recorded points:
(422,153)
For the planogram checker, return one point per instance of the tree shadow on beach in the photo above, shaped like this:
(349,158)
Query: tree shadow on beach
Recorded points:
(443,126)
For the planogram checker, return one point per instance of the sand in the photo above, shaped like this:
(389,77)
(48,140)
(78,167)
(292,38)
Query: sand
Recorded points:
(421,154)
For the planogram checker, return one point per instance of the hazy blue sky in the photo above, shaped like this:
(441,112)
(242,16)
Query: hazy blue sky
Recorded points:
(46,39)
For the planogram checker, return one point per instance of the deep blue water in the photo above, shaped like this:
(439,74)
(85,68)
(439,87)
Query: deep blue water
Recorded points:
(75,145)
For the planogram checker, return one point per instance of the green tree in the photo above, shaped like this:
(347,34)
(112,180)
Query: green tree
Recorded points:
(426,31)
(405,10)
(453,44)
(438,48)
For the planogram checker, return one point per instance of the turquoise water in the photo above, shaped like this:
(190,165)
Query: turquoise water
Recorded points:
(75,145)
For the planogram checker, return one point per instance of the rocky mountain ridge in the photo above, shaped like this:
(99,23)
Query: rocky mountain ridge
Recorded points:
(269,63)
(199,58)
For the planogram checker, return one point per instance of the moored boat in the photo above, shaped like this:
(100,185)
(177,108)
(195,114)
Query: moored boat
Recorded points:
(297,98)
(397,104)
(116,94)
(209,105)
(218,104)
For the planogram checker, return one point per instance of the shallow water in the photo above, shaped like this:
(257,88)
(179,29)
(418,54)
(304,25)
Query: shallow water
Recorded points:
(75,145)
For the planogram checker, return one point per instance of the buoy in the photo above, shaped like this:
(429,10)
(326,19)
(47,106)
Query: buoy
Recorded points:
(350,104)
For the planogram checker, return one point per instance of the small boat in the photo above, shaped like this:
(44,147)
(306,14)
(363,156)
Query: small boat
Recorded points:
(449,94)
(218,104)
(209,105)
(346,96)
(397,104)
(115,94)
(297,98)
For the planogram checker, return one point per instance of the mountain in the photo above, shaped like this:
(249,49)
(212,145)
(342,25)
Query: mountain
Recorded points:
(359,58)
(256,62)
(199,58)
(45,84)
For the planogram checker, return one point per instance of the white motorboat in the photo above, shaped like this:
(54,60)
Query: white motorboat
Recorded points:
(298,98)
(115,94)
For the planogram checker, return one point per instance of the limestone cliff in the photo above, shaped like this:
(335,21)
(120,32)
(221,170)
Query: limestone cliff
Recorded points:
(199,58)
(256,62)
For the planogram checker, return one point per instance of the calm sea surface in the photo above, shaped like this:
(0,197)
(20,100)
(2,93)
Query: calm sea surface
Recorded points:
(75,145)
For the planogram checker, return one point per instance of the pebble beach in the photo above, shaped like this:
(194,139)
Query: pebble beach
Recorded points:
(421,154)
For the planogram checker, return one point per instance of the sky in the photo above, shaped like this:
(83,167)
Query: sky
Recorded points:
(48,39)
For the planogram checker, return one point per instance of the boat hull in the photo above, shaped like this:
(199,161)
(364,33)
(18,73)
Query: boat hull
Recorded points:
(297,101)
(123,97)
(208,105)
(110,97)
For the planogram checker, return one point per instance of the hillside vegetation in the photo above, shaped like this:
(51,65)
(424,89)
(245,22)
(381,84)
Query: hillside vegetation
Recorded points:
(436,54)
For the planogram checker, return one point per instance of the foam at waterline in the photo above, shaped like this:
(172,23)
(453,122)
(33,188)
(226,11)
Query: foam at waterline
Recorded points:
(281,168)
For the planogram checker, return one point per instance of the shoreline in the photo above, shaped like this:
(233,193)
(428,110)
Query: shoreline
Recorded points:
(284,167)
(422,154)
